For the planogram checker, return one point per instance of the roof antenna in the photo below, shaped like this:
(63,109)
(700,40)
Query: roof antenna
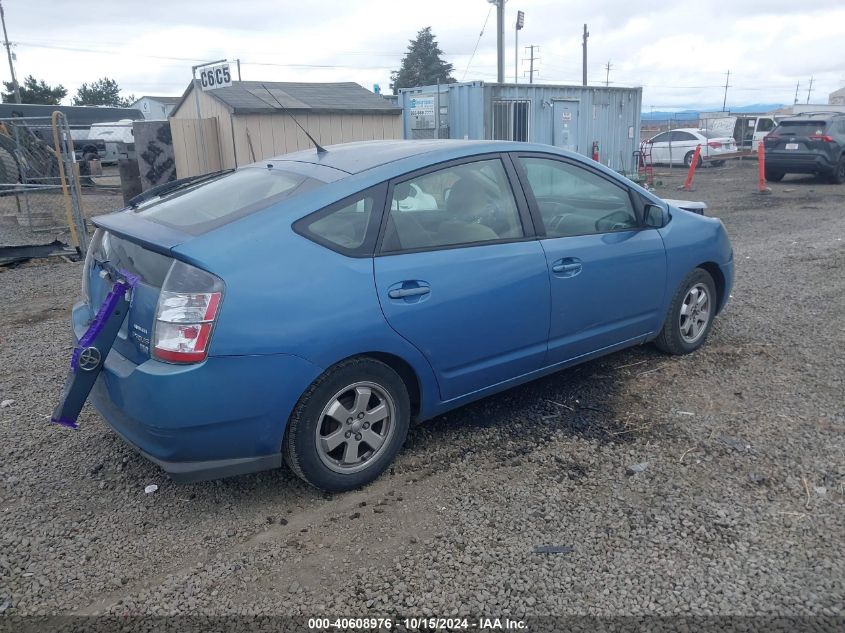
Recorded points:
(320,148)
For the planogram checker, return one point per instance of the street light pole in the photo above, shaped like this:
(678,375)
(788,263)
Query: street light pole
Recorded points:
(8,46)
(520,22)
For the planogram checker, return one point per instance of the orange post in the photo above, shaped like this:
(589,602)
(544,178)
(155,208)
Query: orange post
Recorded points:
(761,166)
(695,158)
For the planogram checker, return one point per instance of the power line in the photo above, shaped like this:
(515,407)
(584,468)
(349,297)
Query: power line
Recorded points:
(477,42)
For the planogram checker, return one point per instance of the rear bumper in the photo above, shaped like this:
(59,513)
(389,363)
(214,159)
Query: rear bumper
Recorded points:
(790,162)
(222,417)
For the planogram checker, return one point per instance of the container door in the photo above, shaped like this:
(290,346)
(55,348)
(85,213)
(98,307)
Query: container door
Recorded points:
(565,114)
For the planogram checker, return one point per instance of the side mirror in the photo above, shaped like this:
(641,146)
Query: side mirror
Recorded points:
(655,216)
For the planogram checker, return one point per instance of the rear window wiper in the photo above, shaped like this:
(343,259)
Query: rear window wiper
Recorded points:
(174,185)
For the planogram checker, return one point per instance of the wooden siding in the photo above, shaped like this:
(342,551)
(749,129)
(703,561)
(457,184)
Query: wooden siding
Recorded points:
(271,134)
(188,144)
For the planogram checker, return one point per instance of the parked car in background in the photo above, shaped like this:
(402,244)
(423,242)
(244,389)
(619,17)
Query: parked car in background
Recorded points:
(748,130)
(807,144)
(118,137)
(299,310)
(677,147)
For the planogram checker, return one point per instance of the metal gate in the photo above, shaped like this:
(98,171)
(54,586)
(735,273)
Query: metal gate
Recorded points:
(40,185)
(565,125)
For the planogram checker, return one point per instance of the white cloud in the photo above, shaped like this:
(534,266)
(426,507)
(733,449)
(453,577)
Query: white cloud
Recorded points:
(679,51)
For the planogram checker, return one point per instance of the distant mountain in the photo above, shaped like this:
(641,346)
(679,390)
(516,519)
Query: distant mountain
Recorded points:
(692,114)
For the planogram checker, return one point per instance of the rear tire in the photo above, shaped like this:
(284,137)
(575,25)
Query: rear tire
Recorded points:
(688,159)
(774,176)
(348,426)
(690,315)
(838,176)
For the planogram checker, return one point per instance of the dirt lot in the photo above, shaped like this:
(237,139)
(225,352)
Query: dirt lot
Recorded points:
(740,509)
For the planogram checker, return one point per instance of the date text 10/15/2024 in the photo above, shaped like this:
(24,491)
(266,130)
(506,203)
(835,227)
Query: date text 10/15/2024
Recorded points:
(412,623)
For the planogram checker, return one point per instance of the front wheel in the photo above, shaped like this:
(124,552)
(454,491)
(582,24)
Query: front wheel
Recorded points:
(774,176)
(690,315)
(348,426)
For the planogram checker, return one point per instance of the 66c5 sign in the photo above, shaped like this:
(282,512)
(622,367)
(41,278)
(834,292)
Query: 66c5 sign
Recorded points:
(218,76)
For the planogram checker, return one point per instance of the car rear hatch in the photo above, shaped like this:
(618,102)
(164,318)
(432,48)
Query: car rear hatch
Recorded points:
(139,244)
(126,246)
(799,137)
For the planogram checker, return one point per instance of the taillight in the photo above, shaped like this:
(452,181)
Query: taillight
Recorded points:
(770,138)
(187,308)
(714,144)
(821,137)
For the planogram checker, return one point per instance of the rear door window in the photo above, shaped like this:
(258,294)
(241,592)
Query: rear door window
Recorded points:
(208,205)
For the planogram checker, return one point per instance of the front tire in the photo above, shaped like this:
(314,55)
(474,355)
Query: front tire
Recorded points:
(774,176)
(348,426)
(690,315)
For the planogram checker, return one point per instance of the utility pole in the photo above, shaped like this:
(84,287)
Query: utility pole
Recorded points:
(500,39)
(584,56)
(810,89)
(531,60)
(8,46)
(727,85)
(520,22)
(607,67)
(798,85)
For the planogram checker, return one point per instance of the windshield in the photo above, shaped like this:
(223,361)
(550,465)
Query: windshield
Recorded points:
(801,128)
(207,205)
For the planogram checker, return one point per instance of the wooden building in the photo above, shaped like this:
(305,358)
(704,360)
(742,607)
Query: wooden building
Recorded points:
(248,122)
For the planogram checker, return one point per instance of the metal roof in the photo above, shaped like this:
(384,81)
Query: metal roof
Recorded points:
(251,97)
(159,99)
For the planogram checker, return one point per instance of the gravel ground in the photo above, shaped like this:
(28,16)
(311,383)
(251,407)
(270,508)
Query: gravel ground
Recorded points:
(710,484)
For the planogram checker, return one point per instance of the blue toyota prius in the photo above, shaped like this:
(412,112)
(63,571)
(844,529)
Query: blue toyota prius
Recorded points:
(306,308)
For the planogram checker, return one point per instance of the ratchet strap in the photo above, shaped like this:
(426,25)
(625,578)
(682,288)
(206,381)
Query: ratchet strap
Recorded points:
(90,353)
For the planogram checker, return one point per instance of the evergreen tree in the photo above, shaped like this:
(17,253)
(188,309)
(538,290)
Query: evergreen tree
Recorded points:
(104,91)
(422,65)
(34,91)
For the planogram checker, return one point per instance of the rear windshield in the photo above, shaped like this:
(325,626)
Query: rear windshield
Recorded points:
(210,204)
(801,128)
(712,134)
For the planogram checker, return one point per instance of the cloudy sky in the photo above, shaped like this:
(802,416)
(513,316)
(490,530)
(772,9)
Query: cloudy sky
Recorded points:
(678,50)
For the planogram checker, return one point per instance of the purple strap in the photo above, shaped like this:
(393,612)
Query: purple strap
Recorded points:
(119,288)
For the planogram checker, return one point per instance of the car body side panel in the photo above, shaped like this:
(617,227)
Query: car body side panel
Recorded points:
(618,292)
(485,318)
(311,302)
(692,240)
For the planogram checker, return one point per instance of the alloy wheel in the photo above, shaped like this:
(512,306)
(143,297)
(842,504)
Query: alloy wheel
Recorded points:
(695,313)
(355,427)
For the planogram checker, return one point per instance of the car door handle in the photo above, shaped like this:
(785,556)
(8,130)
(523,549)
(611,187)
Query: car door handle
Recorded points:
(567,266)
(401,293)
